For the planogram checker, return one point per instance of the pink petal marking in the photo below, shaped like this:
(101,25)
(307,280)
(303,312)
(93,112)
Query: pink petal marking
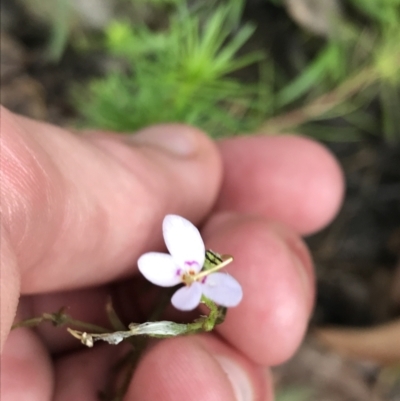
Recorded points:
(191,266)
(159,268)
(191,263)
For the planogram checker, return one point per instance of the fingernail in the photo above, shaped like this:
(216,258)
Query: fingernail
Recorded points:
(240,381)
(175,139)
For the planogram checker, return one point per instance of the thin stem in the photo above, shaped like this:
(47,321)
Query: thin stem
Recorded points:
(322,104)
(162,304)
(113,318)
(214,269)
(60,319)
(87,326)
(160,329)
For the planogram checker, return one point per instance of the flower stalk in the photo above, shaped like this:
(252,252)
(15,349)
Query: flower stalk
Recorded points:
(161,329)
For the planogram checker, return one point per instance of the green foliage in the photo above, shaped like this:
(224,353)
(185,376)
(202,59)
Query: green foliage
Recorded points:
(328,69)
(61,19)
(384,12)
(294,393)
(187,72)
(368,53)
(60,31)
(180,74)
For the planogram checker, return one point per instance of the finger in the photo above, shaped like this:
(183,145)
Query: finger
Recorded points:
(275,271)
(26,369)
(199,368)
(79,211)
(290,179)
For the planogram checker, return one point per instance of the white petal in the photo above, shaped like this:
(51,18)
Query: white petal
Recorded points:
(159,268)
(187,297)
(223,289)
(184,242)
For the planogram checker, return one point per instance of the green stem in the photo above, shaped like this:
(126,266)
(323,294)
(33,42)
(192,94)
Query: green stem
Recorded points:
(160,329)
(59,319)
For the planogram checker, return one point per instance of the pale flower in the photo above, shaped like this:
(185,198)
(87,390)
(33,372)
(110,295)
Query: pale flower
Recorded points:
(184,265)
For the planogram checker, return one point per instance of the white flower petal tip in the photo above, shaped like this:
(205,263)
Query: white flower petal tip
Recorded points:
(159,268)
(187,298)
(183,241)
(187,264)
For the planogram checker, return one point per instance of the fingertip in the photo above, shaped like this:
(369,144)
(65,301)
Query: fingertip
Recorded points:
(250,381)
(182,370)
(202,176)
(277,280)
(200,368)
(289,178)
(323,180)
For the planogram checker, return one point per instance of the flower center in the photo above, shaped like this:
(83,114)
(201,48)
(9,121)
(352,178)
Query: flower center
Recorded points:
(188,275)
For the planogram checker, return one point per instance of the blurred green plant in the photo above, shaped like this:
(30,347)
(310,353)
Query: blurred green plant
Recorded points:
(186,72)
(293,393)
(61,19)
(181,73)
(60,30)
(357,64)
(67,20)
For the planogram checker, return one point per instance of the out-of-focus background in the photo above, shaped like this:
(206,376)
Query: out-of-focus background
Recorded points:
(329,69)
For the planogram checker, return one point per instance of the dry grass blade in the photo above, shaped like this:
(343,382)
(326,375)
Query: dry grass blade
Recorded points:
(380,344)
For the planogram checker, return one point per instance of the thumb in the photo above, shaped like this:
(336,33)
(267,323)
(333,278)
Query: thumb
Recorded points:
(79,210)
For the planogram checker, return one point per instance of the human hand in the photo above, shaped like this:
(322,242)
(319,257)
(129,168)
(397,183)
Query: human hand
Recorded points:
(77,212)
